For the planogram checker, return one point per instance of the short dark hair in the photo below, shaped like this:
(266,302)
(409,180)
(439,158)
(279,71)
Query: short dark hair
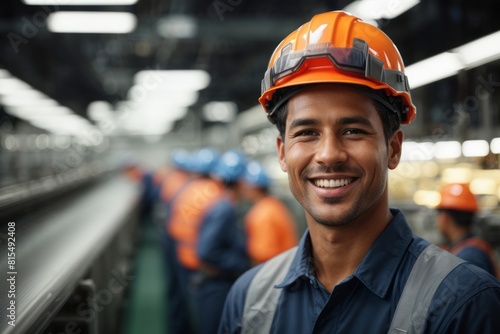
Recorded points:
(461,218)
(390,120)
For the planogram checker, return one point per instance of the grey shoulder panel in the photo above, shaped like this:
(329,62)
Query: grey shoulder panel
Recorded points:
(262,295)
(430,269)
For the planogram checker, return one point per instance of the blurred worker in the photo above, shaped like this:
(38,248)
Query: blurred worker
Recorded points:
(132,170)
(174,180)
(187,214)
(269,224)
(144,178)
(456,213)
(337,92)
(221,245)
(159,175)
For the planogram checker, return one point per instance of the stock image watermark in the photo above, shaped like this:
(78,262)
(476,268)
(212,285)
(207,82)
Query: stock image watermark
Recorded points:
(95,302)
(223,6)
(30,28)
(11,273)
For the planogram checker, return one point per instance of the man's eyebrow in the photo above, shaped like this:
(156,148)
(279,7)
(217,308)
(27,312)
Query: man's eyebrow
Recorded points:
(342,121)
(355,120)
(302,122)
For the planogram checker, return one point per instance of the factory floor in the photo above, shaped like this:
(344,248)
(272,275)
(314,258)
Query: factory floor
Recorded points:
(146,311)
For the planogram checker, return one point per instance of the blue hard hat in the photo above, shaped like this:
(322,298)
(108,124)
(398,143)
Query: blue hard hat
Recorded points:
(205,160)
(256,175)
(231,166)
(179,158)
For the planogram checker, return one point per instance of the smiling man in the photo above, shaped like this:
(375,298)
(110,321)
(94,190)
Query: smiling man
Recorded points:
(337,92)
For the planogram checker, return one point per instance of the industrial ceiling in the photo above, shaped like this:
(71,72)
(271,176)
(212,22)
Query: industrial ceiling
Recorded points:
(231,39)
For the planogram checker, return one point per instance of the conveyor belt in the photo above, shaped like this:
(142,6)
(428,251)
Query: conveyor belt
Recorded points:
(55,253)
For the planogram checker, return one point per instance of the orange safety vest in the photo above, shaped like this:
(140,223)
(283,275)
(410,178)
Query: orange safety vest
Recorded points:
(270,229)
(172,183)
(481,244)
(188,211)
(134,173)
(160,174)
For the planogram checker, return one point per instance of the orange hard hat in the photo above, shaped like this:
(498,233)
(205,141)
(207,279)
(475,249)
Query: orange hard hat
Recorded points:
(337,47)
(457,196)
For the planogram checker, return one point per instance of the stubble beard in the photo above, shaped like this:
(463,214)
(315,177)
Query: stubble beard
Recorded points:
(345,218)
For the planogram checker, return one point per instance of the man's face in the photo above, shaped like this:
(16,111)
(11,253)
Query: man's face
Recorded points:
(442,223)
(336,156)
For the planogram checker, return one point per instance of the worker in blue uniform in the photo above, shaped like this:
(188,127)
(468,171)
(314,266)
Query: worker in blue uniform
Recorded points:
(269,224)
(221,245)
(337,92)
(186,216)
(456,214)
(178,176)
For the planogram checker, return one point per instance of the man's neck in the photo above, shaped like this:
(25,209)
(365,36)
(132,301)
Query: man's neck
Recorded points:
(338,251)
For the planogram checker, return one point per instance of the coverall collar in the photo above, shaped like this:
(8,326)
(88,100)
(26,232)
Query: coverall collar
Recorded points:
(376,271)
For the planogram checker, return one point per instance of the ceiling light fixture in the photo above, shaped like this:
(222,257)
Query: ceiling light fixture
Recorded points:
(480,51)
(92,22)
(379,9)
(80,2)
(495,145)
(175,80)
(475,148)
(446,64)
(219,111)
(177,26)
(433,69)
(447,150)
(413,151)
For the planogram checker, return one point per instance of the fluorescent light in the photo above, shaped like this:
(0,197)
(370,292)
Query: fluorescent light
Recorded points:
(69,124)
(430,169)
(28,100)
(456,175)
(447,150)
(4,73)
(99,110)
(92,22)
(483,186)
(219,111)
(80,2)
(475,148)
(413,151)
(443,65)
(27,93)
(177,26)
(433,69)
(172,79)
(38,111)
(152,98)
(495,145)
(428,198)
(148,128)
(480,51)
(378,9)
(11,85)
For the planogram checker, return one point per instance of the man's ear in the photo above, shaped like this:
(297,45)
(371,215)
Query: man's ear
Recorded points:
(395,149)
(281,152)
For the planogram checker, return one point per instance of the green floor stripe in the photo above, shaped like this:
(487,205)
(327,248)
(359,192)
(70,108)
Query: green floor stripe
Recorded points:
(147,308)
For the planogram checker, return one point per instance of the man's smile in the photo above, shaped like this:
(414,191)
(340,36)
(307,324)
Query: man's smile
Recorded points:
(332,183)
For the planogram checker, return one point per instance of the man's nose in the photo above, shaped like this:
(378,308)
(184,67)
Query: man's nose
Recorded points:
(331,152)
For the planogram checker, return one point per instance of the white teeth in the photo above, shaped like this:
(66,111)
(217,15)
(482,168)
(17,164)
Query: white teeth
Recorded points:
(330,183)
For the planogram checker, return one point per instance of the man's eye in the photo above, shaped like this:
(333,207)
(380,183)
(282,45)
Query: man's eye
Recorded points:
(305,133)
